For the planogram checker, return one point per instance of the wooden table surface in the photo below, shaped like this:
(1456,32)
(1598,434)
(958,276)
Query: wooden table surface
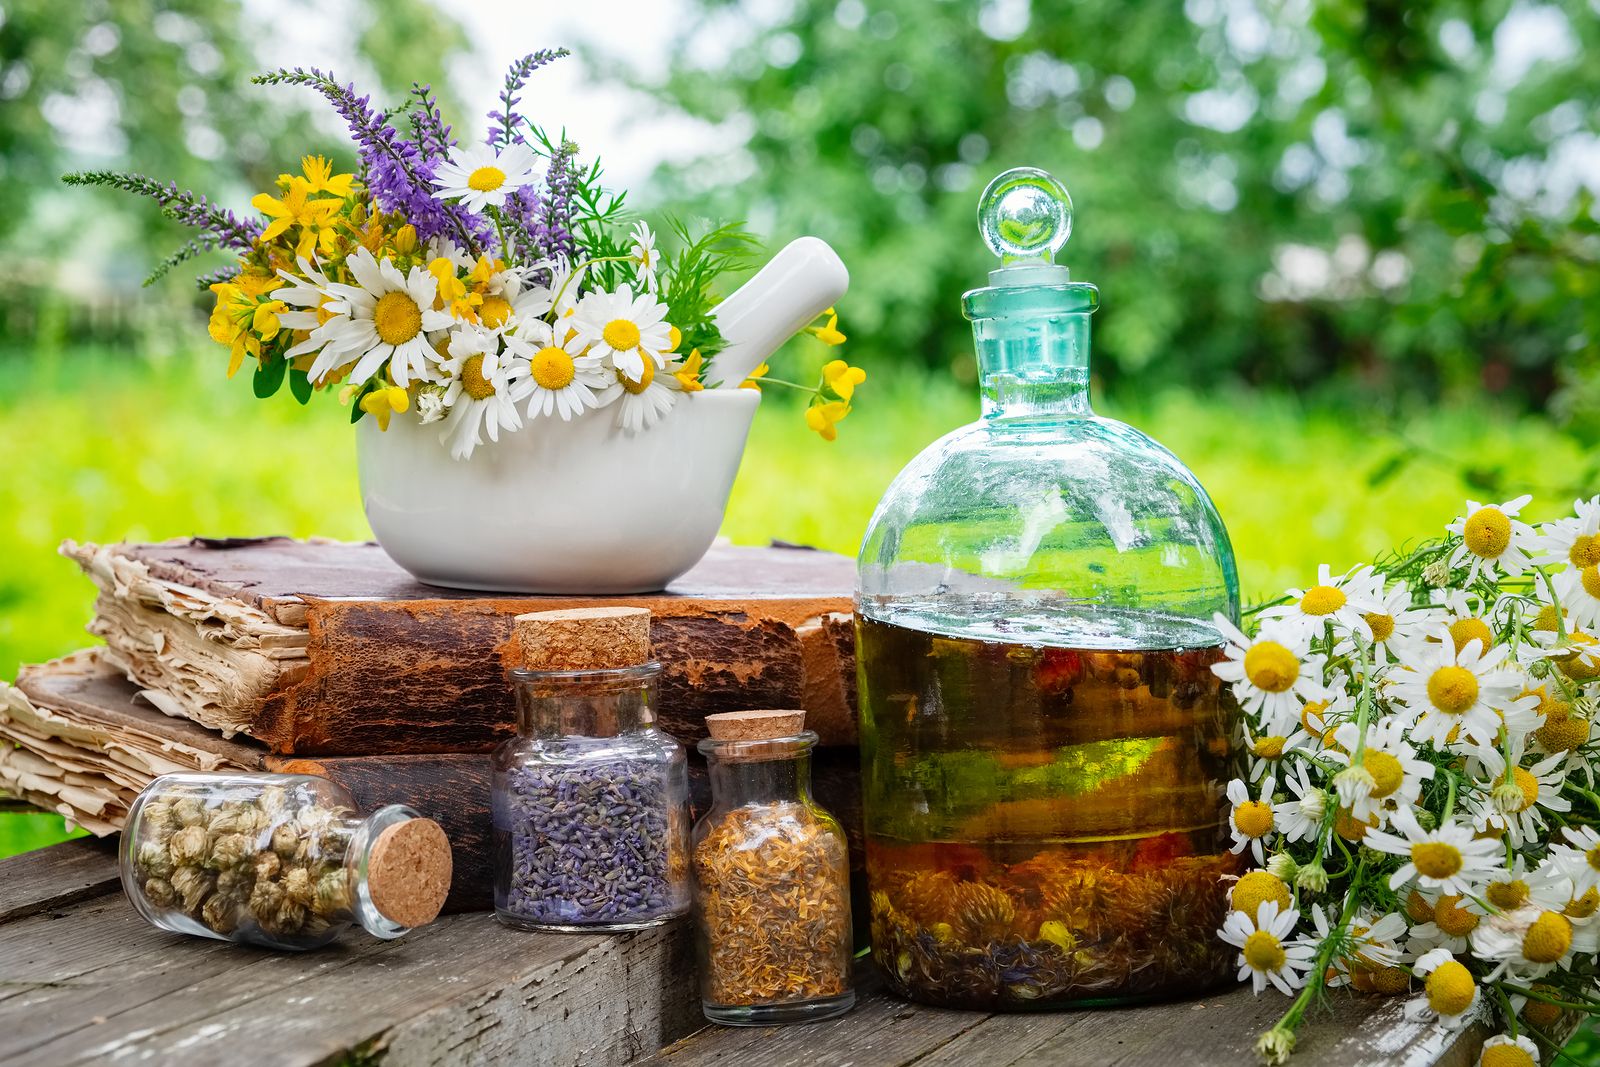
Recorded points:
(84,980)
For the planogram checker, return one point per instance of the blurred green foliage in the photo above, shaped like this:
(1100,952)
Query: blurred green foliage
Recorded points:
(1385,201)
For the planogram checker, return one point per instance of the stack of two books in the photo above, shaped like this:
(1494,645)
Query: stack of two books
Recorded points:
(327,658)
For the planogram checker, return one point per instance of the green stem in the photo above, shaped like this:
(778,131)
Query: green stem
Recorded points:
(1505,1006)
(1588,1007)
(580,268)
(764,380)
(1449,800)
(1290,1019)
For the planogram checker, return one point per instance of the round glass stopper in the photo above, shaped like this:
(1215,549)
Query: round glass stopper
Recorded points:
(1025,214)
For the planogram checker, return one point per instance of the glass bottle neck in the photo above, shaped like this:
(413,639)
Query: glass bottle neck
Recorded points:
(737,782)
(607,703)
(1033,368)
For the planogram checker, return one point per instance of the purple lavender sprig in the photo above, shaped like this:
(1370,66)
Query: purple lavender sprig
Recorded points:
(503,124)
(556,208)
(398,172)
(428,128)
(188,208)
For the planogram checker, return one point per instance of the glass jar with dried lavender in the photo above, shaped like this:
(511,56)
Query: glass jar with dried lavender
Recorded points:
(772,878)
(279,860)
(590,798)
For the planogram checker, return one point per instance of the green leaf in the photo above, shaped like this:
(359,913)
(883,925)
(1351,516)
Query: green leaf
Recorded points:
(268,378)
(1384,472)
(300,385)
(355,407)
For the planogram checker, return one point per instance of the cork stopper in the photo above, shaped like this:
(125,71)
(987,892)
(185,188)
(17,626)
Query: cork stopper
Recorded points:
(755,725)
(408,872)
(584,639)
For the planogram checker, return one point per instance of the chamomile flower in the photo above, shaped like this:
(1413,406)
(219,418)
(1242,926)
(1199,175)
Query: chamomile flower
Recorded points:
(1493,539)
(383,318)
(1453,692)
(643,401)
(1574,540)
(1449,926)
(1448,859)
(1515,886)
(1516,802)
(560,380)
(1372,943)
(1272,673)
(1301,818)
(644,256)
(1528,942)
(481,394)
(445,248)
(308,289)
(1343,601)
(1268,750)
(480,177)
(1579,589)
(1250,820)
(1389,773)
(1391,621)
(512,299)
(1578,859)
(626,330)
(1503,1050)
(1449,992)
(1265,953)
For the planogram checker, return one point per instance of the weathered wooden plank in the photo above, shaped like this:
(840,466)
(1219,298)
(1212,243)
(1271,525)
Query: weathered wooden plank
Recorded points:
(98,985)
(56,876)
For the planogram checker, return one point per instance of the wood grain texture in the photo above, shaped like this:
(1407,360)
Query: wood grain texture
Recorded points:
(331,649)
(57,876)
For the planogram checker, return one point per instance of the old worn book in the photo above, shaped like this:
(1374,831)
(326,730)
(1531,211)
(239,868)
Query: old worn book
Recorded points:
(321,648)
(88,740)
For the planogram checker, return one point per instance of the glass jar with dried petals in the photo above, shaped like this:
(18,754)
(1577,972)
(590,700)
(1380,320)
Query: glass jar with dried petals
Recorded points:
(772,879)
(279,860)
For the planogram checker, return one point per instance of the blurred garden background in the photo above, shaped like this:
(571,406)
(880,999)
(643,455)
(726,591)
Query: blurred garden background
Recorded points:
(1347,251)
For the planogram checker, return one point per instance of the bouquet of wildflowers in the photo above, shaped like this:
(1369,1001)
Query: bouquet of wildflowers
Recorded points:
(1420,794)
(476,286)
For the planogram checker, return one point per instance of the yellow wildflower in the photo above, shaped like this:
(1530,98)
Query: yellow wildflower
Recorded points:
(753,382)
(453,292)
(297,208)
(383,402)
(241,319)
(405,241)
(842,378)
(688,373)
(321,178)
(829,333)
(825,417)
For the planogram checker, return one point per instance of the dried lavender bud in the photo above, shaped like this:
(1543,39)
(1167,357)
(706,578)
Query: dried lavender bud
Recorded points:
(592,843)
(159,892)
(188,845)
(190,811)
(229,850)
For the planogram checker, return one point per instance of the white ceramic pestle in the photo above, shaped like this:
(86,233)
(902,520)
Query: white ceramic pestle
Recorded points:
(795,286)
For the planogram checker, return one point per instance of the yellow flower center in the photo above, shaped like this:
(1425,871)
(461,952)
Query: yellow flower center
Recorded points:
(643,382)
(1418,910)
(621,335)
(1450,988)
(1545,621)
(1452,918)
(1548,939)
(1464,631)
(1591,581)
(1585,551)
(1263,952)
(1506,1056)
(472,380)
(1390,981)
(1507,895)
(1270,747)
(1584,906)
(1311,715)
(1582,664)
(1322,600)
(1253,818)
(1563,733)
(494,311)
(1382,625)
(1271,667)
(1453,689)
(553,368)
(1487,532)
(486,179)
(1255,888)
(1436,859)
(397,318)
(1387,773)
(1529,786)
(1593,856)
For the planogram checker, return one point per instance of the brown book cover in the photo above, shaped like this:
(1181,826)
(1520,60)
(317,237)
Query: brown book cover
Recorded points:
(319,648)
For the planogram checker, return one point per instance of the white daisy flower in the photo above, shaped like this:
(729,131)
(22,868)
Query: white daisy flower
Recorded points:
(1517,805)
(1574,540)
(445,248)
(641,403)
(1343,601)
(629,331)
(1301,819)
(1452,691)
(511,299)
(1508,1047)
(299,294)
(384,317)
(480,177)
(1579,590)
(1374,942)
(1528,942)
(1515,887)
(1450,925)
(1272,673)
(480,394)
(1391,622)
(1449,992)
(1390,773)
(1448,859)
(1250,820)
(565,286)
(645,257)
(1493,538)
(560,380)
(1264,956)
(1578,859)
(1268,750)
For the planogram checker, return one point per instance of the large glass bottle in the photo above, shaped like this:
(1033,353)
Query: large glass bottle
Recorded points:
(1044,745)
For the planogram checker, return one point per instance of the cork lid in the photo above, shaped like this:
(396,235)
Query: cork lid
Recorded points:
(408,872)
(755,725)
(583,639)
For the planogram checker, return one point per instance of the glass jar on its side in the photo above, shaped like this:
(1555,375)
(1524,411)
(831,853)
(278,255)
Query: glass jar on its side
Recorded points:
(590,805)
(279,860)
(772,888)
